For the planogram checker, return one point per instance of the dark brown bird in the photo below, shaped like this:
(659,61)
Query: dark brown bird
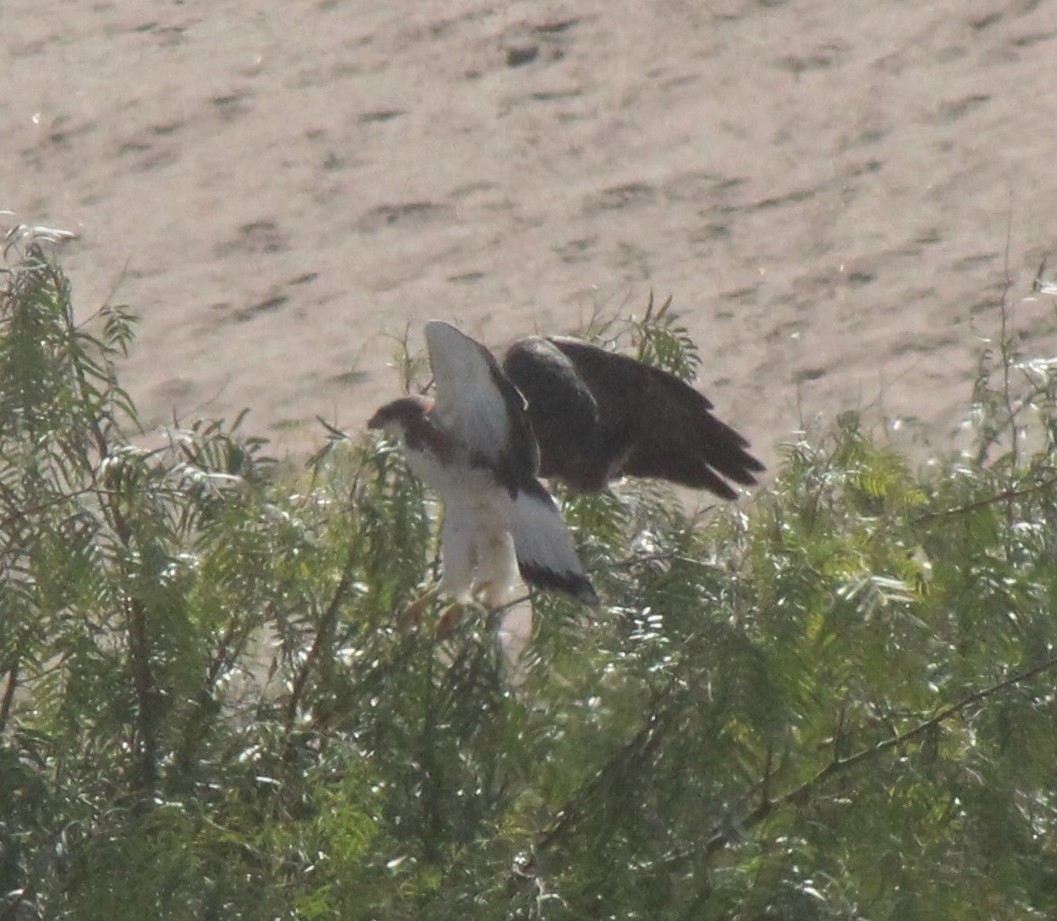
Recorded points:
(599,415)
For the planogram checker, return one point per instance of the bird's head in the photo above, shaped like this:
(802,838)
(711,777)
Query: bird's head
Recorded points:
(399,418)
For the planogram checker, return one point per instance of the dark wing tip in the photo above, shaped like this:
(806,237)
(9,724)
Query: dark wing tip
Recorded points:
(563,571)
(701,454)
(681,439)
(573,584)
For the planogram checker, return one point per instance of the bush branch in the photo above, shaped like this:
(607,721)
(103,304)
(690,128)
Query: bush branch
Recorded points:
(726,832)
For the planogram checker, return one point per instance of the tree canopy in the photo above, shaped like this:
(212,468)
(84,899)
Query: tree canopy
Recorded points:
(833,699)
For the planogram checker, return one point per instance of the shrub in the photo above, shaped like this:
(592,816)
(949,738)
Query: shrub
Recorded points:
(834,700)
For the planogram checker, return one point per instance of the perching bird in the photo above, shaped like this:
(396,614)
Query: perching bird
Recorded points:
(599,415)
(474,446)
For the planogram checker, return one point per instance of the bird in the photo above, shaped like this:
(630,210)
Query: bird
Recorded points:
(598,415)
(473,444)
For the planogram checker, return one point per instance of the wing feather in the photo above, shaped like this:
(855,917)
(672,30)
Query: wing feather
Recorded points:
(646,421)
(684,442)
(474,445)
(562,410)
(544,547)
(480,407)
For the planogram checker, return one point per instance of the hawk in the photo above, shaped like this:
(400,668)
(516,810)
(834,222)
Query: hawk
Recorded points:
(598,415)
(474,445)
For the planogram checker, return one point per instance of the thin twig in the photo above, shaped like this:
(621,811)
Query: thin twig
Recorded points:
(44,506)
(8,697)
(323,634)
(645,742)
(1007,345)
(1003,496)
(726,831)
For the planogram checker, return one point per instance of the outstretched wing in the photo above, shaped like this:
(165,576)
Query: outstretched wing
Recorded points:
(562,411)
(649,423)
(479,406)
(545,553)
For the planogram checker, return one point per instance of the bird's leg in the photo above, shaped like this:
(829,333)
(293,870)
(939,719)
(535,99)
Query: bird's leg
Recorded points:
(450,619)
(453,614)
(492,598)
(411,617)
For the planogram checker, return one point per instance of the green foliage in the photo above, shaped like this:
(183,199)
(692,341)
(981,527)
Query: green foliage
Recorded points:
(657,338)
(225,693)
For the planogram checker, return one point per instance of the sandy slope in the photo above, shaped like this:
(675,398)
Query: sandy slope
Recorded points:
(825,187)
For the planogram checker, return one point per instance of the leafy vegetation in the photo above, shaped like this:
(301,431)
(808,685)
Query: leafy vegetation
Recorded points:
(834,700)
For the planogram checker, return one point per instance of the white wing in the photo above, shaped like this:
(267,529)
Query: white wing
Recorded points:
(469,402)
(544,547)
(487,503)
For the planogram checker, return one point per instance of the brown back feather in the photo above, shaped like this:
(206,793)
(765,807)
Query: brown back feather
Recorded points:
(649,423)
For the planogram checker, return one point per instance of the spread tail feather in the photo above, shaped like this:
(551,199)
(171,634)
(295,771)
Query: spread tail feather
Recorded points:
(545,553)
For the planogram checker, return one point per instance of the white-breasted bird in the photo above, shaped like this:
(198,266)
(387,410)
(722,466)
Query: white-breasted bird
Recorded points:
(474,445)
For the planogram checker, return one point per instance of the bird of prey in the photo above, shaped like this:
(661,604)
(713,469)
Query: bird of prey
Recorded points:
(474,446)
(598,415)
